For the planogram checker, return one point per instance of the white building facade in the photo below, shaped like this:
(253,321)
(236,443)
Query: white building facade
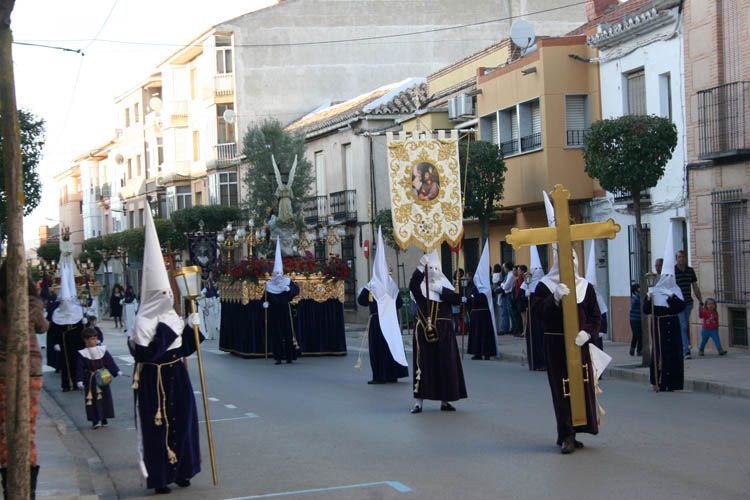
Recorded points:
(640,67)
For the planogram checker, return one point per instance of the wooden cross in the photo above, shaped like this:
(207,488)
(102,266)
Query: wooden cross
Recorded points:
(564,234)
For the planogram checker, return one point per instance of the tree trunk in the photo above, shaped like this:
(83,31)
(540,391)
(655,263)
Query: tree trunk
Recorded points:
(17,304)
(643,264)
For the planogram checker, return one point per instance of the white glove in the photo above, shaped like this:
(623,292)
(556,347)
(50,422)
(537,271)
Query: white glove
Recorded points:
(194,320)
(561,291)
(118,373)
(56,347)
(464,300)
(79,385)
(265,305)
(286,288)
(422,263)
(650,292)
(582,338)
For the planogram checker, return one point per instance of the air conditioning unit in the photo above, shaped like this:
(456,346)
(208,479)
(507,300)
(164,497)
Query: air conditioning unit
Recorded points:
(460,107)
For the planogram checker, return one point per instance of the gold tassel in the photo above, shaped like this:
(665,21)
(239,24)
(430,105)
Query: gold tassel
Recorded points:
(89,399)
(98,392)
(157,417)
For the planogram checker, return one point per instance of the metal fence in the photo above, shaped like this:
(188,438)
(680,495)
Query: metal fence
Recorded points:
(731,247)
(722,117)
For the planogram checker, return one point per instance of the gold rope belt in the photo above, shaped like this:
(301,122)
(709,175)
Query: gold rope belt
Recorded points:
(161,396)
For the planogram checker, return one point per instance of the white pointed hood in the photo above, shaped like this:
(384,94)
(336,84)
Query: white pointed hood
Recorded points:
(552,278)
(536,270)
(435,275)
(483,281)
(157,301)
(591,277)
(69,312)
(667,284)
(385,292)
(277,283)
(550,210)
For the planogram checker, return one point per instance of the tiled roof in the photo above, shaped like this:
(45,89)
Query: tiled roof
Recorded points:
(398,98)
(612,16)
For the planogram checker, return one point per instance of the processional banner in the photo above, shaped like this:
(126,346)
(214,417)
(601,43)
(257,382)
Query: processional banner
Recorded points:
(425,182)
(203,251)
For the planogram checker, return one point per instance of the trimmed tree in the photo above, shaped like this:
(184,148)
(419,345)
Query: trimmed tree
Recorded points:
(630,153)
(484,183)
(259,143)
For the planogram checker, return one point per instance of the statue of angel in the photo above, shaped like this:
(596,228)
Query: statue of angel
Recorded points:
(284,193)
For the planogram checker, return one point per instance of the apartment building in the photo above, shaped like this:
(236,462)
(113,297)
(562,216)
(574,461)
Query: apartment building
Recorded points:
(717,95)
(70,205)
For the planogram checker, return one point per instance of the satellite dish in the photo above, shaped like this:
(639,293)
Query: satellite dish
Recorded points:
(119,159)
(155,104)
(229,116)
(522,34)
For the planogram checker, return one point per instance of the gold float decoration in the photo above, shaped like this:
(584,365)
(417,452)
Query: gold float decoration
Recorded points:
(315,287)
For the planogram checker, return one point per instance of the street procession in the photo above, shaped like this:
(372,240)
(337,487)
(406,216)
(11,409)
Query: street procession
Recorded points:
(330,252)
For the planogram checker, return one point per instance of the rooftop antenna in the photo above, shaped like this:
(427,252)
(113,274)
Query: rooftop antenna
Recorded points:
(522,35)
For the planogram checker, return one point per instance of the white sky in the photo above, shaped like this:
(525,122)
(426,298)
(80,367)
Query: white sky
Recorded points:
(80,116)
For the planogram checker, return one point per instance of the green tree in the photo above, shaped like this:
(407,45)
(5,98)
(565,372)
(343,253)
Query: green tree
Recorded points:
(484,183)
(629,154)
(32,142)
(214,217)
(259,143)
(49,251)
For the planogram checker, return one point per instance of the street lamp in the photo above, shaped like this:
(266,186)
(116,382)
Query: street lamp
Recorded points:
(188,281)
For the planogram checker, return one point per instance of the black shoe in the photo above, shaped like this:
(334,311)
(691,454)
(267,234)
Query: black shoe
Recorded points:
(632,352)
(416,409)
(278,361)
(104,422)
(568,446)
(447,407)
(371,382)
(162,491)
(183,483)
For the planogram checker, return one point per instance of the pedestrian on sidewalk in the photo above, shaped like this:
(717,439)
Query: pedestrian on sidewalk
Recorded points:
(710,317)
(635,319)
(94,369)
(37,324)
(115,305)
(129,308)
(688,283)
(506,289)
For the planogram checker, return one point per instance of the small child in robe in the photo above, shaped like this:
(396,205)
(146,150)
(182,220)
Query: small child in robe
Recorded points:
(99,406)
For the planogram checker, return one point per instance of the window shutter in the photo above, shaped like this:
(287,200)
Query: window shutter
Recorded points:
(514,124)
(536,118)
(575,112)
(495,129)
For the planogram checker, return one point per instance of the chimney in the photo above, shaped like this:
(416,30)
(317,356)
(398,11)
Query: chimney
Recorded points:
(596,8)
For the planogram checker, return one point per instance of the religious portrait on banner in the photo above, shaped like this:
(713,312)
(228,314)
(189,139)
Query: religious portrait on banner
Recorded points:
(425,184)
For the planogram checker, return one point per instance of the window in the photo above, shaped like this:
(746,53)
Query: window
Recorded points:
(731,248)
(222,189)
(196,146)
(135,113)
(131,219)
(192,83)
(320,173)
(507,254)
(141,220)
(130,168)
(634,252)
(162,199)
(184,198)
(346,165)
(576,119)
(223,55)
(320,250)
(738,327)
(127,117)
(147,159)
(138,165)
(198,198)
(225,130)
(635,85)
(159,153)
(488,128)
(530,125)
(508,121)
(665,96)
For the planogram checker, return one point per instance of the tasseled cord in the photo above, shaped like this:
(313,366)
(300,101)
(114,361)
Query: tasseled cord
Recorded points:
(90,392)
(161,411)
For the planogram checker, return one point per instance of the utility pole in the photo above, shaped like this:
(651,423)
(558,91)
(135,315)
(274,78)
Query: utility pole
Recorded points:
(17,301)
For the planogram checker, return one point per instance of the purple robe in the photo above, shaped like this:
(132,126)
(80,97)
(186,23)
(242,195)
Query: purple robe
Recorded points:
(172,396)
(68,337)
(280,328)
(534,340)
(551,316)
(384,367)
(101,407)
(442,377)
(666,347)
(481,333)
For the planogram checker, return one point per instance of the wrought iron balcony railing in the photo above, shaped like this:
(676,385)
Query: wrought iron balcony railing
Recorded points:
(723,114)
(509,147)
(531,142)
(314,210)
(344,206)
(574,138)
(225,153)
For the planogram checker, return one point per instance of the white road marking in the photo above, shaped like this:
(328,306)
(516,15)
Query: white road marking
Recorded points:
(231,407)
(213,399)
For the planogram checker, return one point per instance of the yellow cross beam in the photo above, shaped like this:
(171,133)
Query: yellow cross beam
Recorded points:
(564,234)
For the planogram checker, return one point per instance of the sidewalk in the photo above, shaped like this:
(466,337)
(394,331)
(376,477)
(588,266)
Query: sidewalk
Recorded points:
(724,375)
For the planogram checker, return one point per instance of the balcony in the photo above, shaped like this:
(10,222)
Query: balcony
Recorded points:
(531,142)
(574,138)
(225,153)
(178,109)
(224,85)
(722,115)
(509,147)
(627,197)
(343,205)
(314,210)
